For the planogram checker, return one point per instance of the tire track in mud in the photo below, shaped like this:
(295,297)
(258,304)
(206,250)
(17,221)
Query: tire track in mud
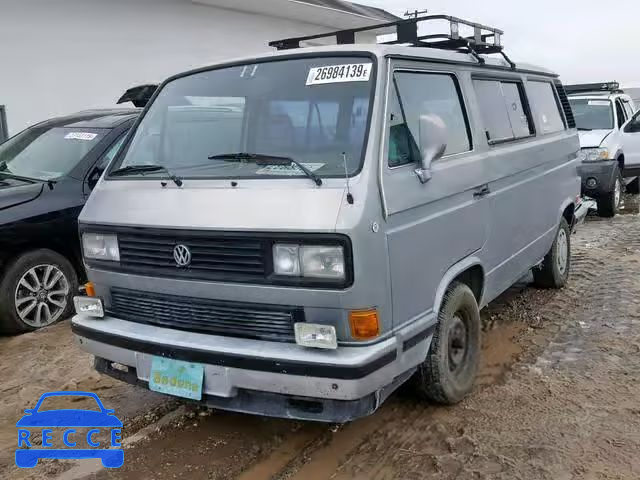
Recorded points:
(382,445)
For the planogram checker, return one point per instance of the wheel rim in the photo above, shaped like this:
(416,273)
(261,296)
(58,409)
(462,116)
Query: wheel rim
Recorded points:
(617,191)
(458,342)
(562,250)
(41,295)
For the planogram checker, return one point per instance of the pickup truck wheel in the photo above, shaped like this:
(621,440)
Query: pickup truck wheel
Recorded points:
(449,371)
(609,203)
(634,186)
(36,290)
(553,272)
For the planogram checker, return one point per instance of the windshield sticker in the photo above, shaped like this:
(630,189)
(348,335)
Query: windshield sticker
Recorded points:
(599,103)
(288,169)
(80,136)
(351,72)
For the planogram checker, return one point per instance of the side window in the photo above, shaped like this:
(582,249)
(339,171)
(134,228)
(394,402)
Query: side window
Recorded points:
(546,105)
(627,108)
(620,113)
(416,94)
(502,106)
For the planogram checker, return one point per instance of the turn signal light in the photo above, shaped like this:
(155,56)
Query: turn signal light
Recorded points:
(89,289)
(364,324)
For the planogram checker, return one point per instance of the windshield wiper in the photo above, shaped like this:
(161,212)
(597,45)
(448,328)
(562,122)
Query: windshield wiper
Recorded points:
(263,159)
(582,129)
(8,174)
(142,169)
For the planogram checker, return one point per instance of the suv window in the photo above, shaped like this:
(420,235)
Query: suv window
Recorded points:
(627,108)
(502,106)
(546,106)
(417,94)
(620,113)
(111,153)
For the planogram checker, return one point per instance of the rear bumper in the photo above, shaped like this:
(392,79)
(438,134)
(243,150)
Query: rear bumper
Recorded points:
(265,378)
(603,173)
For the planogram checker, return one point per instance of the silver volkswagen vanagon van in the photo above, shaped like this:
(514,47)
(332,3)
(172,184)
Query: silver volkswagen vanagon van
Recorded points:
(300,233)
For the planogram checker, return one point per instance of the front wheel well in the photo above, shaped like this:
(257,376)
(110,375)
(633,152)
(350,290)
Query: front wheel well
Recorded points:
(621,162)
(473,277)
(569,214)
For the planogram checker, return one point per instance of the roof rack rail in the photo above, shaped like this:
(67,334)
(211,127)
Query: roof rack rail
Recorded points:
(610,87)
(485,40)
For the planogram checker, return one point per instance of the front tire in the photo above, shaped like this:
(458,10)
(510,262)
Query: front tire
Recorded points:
(553,272)
(449,371)
(609,203)
(36,290)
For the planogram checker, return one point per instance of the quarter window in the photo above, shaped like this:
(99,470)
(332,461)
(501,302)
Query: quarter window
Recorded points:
(546,106)
(502,106)
(417,94)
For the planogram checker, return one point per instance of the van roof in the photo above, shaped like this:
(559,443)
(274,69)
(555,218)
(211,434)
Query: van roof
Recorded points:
(382,51)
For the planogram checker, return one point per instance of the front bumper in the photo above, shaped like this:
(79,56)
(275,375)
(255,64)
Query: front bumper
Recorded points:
(266,378)
(602,173)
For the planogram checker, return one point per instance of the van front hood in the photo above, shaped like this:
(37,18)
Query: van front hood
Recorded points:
(214,205)
(592,138)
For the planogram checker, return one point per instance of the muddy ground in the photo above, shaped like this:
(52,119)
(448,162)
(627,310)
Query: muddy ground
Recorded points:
(558,398)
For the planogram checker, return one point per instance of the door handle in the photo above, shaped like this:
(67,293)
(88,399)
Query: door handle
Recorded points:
(481,191)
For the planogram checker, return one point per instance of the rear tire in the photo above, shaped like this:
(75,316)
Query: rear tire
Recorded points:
(634,186)
(553,272)
(42,282)
(449,371)
(609,203)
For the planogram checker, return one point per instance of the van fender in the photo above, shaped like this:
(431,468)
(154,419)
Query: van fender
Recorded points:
(563,206)
(450,276)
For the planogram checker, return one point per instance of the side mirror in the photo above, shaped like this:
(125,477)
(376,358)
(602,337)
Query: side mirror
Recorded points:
(433,143)
(93,179)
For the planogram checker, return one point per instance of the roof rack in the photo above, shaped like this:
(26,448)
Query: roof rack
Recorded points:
(485,40)
(610,87)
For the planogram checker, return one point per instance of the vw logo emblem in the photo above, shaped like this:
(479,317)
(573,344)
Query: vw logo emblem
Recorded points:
(182,255)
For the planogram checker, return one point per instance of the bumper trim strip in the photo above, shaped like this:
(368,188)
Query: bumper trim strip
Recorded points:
(237,361)
(418,337)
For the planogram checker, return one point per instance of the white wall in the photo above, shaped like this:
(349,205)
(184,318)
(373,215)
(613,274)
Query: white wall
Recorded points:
(62,56)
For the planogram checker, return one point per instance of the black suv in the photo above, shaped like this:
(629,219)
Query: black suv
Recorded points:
(46,174)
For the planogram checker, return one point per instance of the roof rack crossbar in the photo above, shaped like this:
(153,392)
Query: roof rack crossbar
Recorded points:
(610,87)
(485,39)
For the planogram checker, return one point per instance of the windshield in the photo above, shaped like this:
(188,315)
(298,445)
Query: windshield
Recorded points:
(311,110)
(592,114)
(46,153)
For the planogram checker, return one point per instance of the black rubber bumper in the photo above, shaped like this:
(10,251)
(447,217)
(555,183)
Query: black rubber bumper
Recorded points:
(604,175)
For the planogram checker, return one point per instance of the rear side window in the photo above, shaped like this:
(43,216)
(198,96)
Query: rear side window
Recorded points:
(546,106)
(417,94)
(503,110)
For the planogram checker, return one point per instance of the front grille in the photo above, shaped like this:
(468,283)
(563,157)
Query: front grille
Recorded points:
(213,256)
(231,319)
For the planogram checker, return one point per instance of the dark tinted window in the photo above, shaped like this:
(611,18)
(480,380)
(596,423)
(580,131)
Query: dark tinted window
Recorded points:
(620,114)
(419,94)
(502,107)
(545,104)
(47,153)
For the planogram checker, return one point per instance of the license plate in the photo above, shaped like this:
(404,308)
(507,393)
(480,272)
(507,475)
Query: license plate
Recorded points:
(175,377)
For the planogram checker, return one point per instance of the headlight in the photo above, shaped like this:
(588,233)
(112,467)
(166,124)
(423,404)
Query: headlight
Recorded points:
(100,247)
(315,261)
(88,306)
(593,154)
